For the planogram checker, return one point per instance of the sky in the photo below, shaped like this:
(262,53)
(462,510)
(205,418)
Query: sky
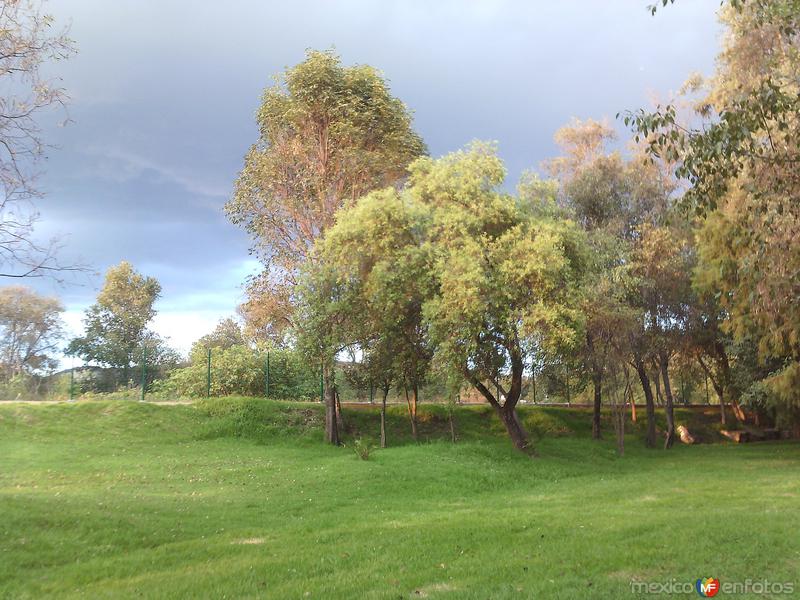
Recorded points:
(164,92)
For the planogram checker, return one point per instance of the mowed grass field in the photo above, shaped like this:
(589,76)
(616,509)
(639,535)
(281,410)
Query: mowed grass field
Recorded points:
(238,498)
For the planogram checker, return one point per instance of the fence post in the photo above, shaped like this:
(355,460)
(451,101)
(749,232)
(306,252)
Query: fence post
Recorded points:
(208,374)
(72,382)
(144,371)
(267,375)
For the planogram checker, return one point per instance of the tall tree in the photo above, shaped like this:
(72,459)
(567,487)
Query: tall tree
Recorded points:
(28,42)
(328,135)
(116,325)
(611,197)
(30,331)
(593,186)
(741,166)
(506,280)
(662,264)
(493,277)
(380,260)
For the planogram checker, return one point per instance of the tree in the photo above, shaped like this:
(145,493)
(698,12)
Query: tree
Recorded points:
(611,197)
(740,162)
(593,186)
(461,268)
(30,331)
(384,274)
(328,135)
(27,43)
(712,347)
(662,264)
(227,333)
(506,281)
(116,325)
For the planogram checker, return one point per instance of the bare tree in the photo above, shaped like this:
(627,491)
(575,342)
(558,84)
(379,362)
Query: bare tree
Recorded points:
(27,42)
(30,331)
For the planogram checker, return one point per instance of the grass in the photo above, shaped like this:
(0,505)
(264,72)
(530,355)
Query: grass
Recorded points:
(238,498)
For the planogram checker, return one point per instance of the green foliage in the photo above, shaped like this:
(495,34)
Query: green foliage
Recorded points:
(227,333)
(448,268)
(362,449)
(240,370)
(741,168)
(328,135)
(115,327)
(17,387)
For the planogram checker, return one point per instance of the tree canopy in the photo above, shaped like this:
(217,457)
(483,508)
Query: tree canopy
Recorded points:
(116,325)
(328,135)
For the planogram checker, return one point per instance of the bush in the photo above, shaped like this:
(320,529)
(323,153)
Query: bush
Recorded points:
(241,370)
(19,387)
(362,449)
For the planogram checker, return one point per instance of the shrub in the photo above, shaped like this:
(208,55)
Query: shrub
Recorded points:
(241,370)
(362,449)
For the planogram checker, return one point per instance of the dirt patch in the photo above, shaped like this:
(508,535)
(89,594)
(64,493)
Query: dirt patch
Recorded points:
(248,542)
(426,591)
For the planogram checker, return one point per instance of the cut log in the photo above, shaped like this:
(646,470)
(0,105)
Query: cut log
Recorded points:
(738,436)
(684,435)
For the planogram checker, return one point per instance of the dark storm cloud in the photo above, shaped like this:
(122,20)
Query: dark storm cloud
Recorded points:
(164,95)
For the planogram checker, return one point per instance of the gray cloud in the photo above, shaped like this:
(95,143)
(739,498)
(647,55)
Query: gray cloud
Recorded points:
(164,95)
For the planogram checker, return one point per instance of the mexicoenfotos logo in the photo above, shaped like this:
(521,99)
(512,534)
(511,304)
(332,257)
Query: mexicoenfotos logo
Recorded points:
(707,587)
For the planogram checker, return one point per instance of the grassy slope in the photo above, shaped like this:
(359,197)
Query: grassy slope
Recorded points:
(238,498)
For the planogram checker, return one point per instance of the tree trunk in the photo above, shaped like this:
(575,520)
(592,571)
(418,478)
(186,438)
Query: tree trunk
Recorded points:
(597,380)
(383,416)
(633,408)
(650,438)
(414,402)
(718,389)
(508,415)
(412,411)
(507,411)
(657,381)
(452,424)
(668,406)
(331,424)
(339,419)
(737,410)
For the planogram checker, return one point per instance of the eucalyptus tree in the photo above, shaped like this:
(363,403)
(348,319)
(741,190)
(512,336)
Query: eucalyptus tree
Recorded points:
(328,134)
(662,263)
(739,158)
(508,276)
(611,197)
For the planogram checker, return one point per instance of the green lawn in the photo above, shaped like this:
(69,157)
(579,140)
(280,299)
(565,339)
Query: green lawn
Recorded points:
(239,498)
